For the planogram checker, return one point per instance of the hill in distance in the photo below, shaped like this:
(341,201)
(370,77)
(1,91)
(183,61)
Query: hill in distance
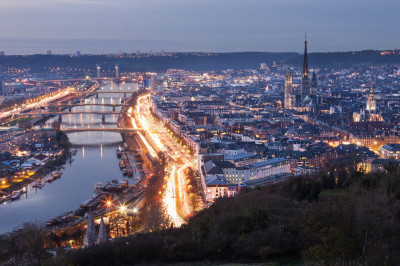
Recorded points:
(200,61)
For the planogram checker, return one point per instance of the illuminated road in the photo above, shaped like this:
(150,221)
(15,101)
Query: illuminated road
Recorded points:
(39,103)
(44,100)
(156,139)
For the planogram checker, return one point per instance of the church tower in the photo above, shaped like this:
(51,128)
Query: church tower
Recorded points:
(288,90)
(314,82)
(371,105)
(305,81)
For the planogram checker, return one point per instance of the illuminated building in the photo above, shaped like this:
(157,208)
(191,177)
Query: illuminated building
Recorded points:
(390,151)
(304,99)
(98,68)
(369,114)
(371,105)
(116,71)
(288,90)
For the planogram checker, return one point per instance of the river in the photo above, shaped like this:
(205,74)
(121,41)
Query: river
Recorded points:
(95,161)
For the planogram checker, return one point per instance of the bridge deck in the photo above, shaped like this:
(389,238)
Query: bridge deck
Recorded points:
(74,112)
(101,129)
(94,92)
(87,104)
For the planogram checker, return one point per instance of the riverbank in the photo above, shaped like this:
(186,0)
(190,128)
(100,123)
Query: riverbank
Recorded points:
(48,167)
(131,197)
(96,161)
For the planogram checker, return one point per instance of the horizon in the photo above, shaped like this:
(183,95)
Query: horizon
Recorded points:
(99,26)
(36,46)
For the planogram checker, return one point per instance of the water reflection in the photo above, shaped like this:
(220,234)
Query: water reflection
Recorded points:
(95,161)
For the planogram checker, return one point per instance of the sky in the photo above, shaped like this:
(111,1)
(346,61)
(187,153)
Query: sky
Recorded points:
(108,26)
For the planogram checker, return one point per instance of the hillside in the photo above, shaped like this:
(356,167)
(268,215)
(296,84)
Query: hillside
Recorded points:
(356,224)
(199,62)
(343,59)
(190,61)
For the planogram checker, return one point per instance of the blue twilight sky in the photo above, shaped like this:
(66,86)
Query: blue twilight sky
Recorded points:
(103,26)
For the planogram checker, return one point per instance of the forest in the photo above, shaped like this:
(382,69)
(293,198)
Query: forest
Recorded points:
(197,61)
(340,218)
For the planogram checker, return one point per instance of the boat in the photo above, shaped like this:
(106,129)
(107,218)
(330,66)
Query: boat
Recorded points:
(124,172)
(119,153)
(15,196)
(56,175)
(129,171)
(38,184)
(121,165)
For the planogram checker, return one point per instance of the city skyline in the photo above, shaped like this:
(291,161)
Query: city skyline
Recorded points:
(97,26)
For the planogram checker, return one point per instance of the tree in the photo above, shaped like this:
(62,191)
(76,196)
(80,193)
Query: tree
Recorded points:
(301,188)
(31,242)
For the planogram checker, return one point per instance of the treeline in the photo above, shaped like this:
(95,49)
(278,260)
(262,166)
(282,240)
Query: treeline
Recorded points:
(356,222)
(197,61)
(366,57)
(189,61)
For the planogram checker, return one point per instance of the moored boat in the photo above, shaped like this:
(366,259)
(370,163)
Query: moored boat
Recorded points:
(38,184)
(56,175)
(15,196)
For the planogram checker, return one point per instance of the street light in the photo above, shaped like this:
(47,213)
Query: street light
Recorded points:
(122,209)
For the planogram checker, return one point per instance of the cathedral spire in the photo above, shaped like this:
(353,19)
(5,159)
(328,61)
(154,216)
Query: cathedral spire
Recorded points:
(305,60)
(371,91)
(371,104)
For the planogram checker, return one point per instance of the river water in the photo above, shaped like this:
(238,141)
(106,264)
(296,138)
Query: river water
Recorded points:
(95,161)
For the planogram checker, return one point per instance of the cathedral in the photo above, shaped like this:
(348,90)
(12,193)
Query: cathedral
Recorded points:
(369,114)
(304,99)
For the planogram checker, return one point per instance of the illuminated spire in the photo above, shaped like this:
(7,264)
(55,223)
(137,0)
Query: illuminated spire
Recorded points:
(371,91)
(305,60)
(371,105)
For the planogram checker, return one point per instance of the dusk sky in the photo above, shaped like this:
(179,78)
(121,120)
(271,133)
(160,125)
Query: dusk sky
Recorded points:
(103,26)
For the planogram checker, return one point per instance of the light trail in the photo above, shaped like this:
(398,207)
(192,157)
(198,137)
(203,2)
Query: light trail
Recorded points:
(182,187)
(37,104)
(170,201)
(175,198)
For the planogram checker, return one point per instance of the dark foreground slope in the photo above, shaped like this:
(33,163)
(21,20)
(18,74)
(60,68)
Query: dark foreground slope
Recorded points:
(353,221)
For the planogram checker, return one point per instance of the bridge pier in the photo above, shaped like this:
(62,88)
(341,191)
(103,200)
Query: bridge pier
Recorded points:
(97,95)
(69,109)
(125,94)
(103,119)
(60,118)
(113,108)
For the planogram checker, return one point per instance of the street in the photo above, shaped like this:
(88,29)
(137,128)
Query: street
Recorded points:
(157,139)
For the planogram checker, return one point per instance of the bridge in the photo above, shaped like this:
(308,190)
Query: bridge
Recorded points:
(86,104)
(99,91)
(73,113)
(102,129)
